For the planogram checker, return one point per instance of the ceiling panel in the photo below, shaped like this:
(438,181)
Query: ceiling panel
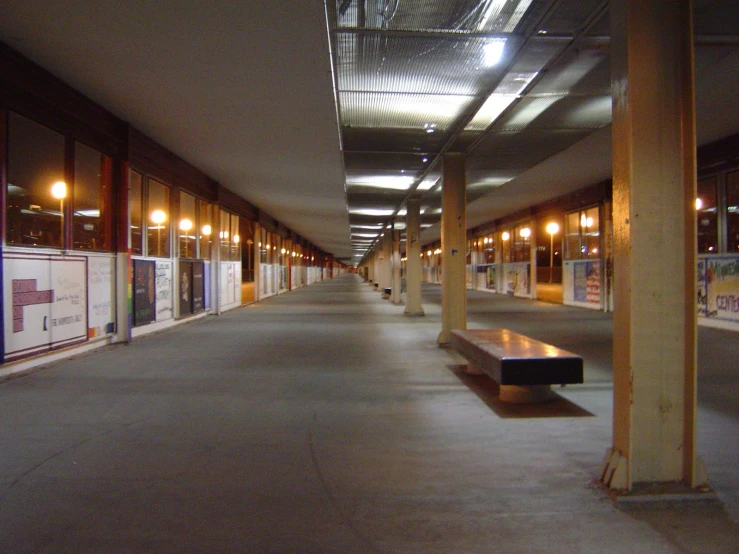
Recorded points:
(512,150)
(375,63)
(570,17)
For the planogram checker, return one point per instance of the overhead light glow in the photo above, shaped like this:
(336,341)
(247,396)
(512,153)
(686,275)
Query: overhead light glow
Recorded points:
(428,183)
(371,211)
(369,235)
(495,19)
(394,182)
(494,51)
(358,226)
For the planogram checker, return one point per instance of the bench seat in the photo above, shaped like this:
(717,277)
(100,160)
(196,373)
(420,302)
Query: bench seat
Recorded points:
(515,360)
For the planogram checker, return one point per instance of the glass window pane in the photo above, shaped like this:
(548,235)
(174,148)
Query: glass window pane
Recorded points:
(505,237)
(136,185)
(224,234)
(572,236)
(187,226)
(92,219)
(732,212)
(35,165)
(263,253)
(158,222)
(590,232)
(205,236)
(707,216)
(247,250)
(521,243)
(235,238)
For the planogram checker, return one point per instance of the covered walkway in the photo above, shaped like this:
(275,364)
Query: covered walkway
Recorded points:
(325,421)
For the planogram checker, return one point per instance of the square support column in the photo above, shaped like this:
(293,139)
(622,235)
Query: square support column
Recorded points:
(413,254)
(654,190)
(453,247)
(395,296)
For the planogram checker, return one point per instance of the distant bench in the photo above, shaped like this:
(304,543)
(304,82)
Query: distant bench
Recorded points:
(523,367)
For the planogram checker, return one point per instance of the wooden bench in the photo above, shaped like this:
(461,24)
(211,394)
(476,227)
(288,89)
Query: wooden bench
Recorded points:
(525,368)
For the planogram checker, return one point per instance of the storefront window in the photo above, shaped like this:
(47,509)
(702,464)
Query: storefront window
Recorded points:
(582,234)
(158,220)
(521,238)
(247,250)
(732,212)
(505,241)
(263,246)
(706,213)
(235,244)
(205,226)
(225,235)
(488,249)
(92,218)
(36,190)
(135,196)
(187,226)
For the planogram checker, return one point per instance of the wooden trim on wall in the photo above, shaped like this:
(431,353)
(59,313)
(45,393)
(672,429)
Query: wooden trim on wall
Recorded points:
(236,204)
(33,92)
(150,157)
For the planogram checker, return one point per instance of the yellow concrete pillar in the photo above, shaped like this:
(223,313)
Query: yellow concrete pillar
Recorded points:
(395,296)
(453,247)
(413,254)
(385,262)
(654,190)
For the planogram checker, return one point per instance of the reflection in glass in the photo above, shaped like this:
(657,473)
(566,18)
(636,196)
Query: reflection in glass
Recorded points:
(92,219)
(135,191)
(158,222)
(732,212)
(185,229)
(707,216)
(35,163)
(205,236)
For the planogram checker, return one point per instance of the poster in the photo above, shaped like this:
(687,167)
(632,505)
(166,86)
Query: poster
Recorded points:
(490,282)
(144,295)
(722,284)
(45,303)
(517,281)
(185,288)
(163,289)
(581,283)
(101,296)
(206,286)
(198,287)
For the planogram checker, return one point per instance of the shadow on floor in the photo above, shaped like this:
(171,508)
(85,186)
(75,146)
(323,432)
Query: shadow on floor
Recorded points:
(487,390)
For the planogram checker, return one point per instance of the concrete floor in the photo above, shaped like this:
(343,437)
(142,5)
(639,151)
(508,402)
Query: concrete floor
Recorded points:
(323,420)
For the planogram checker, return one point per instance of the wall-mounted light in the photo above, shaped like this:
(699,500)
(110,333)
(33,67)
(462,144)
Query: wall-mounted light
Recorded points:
(506,235)
(525,232)
(207,230)
(698,203)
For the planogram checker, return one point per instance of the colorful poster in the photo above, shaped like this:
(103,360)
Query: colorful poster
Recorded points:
(185,289)
(45,303)
(144,292)
(198,287)
(490,282)
(101,296)
(722,281)
(592,282)
(702,288)
(517,281)
(164,290)
(580,282)
(206,286)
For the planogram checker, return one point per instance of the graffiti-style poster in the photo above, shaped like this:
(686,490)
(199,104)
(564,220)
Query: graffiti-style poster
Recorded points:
(45,303)
(722,283)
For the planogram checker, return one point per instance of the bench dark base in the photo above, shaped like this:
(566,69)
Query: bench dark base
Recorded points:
(523,367)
